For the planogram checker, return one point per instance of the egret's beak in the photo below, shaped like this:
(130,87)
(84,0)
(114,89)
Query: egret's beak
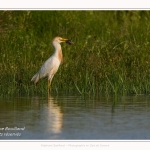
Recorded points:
(63,39)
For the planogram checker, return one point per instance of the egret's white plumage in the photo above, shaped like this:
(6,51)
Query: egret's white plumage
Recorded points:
(51,65)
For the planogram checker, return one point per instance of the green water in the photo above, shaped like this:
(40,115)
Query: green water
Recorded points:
(75,117)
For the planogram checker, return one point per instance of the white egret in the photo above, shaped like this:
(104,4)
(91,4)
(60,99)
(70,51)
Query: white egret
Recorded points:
(51,65)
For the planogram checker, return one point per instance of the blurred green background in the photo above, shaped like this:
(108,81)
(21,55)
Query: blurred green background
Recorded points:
(111,53)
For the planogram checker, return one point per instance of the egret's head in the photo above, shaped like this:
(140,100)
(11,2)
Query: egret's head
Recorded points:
(60,39)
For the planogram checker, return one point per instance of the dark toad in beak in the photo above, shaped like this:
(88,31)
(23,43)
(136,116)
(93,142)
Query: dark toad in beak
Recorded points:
(69,42)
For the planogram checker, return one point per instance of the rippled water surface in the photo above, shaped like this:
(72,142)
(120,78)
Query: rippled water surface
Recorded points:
(75,117)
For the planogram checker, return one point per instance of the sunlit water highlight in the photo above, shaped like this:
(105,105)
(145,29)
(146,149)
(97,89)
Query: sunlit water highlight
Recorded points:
(75,117)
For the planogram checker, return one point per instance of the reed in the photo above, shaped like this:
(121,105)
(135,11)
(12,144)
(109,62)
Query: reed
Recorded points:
(111,52)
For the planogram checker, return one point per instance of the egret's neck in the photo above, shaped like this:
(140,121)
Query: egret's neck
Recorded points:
(57,46)
(58,51)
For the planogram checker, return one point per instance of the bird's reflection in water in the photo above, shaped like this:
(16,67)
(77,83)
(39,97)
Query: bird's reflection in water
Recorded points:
(54,115)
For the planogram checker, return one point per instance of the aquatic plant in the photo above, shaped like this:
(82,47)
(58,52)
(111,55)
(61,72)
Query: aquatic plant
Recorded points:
(111,52)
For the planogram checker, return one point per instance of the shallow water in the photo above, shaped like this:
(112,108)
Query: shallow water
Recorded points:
(75,117)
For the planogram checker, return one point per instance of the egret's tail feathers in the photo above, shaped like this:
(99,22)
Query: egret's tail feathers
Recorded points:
(35,78)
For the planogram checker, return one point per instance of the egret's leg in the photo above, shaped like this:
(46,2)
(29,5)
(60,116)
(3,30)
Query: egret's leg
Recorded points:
(49,83)
(49,86)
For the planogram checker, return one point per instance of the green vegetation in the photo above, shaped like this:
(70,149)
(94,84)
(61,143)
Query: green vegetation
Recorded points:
(111,53)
